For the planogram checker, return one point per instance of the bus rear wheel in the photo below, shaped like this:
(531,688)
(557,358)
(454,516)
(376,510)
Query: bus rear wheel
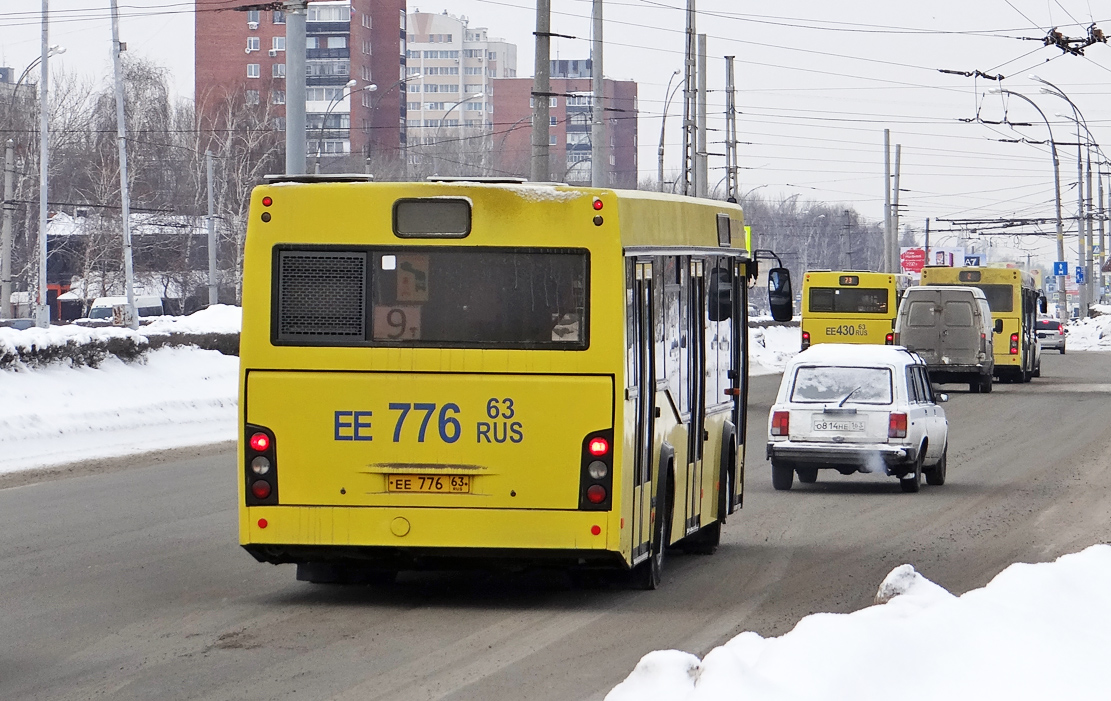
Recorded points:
(649,574)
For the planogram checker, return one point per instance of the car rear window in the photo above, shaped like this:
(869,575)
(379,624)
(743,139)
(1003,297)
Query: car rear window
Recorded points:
(830,383)
(1048,326)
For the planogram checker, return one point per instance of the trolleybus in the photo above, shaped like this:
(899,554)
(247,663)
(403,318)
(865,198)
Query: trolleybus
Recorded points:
(450,373)
(1013,298)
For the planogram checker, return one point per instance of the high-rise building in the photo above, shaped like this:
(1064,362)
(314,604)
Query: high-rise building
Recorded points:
(569,131)
(241,68)
(451,72)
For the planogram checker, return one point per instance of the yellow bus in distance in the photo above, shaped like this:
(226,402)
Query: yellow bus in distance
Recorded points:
(442,373)
(1014,298)
(850,306)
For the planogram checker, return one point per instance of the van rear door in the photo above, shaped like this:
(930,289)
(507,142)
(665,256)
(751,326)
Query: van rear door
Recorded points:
(921,330)
(960,336)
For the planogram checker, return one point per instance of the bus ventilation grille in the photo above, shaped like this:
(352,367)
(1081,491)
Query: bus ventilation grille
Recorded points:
(321,296)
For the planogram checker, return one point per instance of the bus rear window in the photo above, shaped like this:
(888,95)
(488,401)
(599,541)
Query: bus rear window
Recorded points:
(479,297)
(1000,297)
(858,300)
(433,297)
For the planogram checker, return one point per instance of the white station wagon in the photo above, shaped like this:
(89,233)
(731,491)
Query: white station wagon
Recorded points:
(857,408)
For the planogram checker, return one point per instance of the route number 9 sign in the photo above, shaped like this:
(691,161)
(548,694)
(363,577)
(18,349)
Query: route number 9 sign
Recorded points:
(396,323)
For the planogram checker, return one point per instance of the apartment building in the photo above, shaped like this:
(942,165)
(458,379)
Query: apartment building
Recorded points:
(570,128)
(451,71)
(240,65)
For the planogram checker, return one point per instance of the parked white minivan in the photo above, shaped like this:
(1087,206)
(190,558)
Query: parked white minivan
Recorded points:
(950,326)
(146,306)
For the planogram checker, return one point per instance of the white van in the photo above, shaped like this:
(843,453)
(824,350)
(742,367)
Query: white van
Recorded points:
(103,307)
(950,326)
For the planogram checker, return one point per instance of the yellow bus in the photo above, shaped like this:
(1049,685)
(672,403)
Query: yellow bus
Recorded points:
(471,372)
(850,306)
(1015,300)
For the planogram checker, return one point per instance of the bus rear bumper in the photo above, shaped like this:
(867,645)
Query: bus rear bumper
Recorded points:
(395,538)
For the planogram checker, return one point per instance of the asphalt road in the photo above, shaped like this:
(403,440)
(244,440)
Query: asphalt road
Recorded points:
(129,584)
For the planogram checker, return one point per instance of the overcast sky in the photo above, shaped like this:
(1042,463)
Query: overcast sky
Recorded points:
(818,81)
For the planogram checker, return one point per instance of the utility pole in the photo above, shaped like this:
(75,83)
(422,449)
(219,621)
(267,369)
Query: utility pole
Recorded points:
(598,144)
(6,237)
(42,311)
(690,108)
(701,158)
(731,185)
(295,49)
(1081,289)
(927,249)
(118,48)
(886,201)
(894,263)
(541,86)
(1102,233)
(846,244)
(213,296)
(1089,273)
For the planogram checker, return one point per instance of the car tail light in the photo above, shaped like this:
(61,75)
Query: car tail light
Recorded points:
(889,339)
(596,471)
(1014,344)
(897,426)
(805,340)
(260,466)
(1061,331)
(781,423)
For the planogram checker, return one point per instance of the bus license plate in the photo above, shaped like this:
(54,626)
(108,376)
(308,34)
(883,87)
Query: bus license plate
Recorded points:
(436,484)
(821,424)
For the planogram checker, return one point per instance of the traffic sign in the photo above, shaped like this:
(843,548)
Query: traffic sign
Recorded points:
(1060,267)
(1079,275)
(1096,248)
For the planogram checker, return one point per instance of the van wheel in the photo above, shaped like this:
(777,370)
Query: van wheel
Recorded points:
(912,482)
(783,476)
(808,475)
(985,384)
(975,387)
(936,475)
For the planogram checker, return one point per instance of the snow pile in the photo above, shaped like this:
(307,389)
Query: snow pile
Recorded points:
(1091,334)
(58,414)
(13,341)
(219,318)
(1034,632)
(771,347)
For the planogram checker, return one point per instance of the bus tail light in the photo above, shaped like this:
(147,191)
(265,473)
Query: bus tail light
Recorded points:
(897,426)
(596,472)
(805,340)
(781,423)
(260,466)
(889,339)
(1014,344)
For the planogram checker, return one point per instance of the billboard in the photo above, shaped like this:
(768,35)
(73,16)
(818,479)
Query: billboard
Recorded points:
(914,258)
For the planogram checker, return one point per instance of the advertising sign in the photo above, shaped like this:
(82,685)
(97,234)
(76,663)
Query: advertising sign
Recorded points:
(914,258)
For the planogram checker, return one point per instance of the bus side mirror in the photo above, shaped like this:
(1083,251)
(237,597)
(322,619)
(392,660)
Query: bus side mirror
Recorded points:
(719,305)
(1042,306)
(998,326)
(780,298)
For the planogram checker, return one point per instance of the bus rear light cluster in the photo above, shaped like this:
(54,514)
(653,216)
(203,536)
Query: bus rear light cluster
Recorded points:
(260,466)
(805,340)
(781,423)
(596,475)
(897,426)
(889,339)
(1014,344)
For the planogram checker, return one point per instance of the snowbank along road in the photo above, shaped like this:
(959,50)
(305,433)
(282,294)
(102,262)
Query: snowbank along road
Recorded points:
(128,584)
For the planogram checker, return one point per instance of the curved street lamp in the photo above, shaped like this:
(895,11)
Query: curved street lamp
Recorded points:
(436,134)
(1062,296)
(346,92)
(668,94)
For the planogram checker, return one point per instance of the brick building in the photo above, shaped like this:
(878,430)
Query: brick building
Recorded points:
(240,61)
(569,132)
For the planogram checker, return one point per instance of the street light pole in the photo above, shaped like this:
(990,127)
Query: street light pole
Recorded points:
(42,311)
(328,112)
(436,134)
(1062,295)
(668,94)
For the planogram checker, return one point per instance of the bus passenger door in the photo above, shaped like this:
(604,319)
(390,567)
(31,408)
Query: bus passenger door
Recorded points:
(696,310)
(642,387)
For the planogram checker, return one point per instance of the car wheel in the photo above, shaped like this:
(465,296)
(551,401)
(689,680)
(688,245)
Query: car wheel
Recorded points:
(1038,369)
(783,476)
(1062,350)
(807,475)
(912,482)
(936,475)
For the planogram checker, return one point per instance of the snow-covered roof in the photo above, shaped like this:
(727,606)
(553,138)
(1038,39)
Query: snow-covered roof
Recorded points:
(855,355)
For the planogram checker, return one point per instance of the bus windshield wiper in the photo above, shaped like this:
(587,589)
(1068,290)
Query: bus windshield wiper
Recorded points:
(849,395)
